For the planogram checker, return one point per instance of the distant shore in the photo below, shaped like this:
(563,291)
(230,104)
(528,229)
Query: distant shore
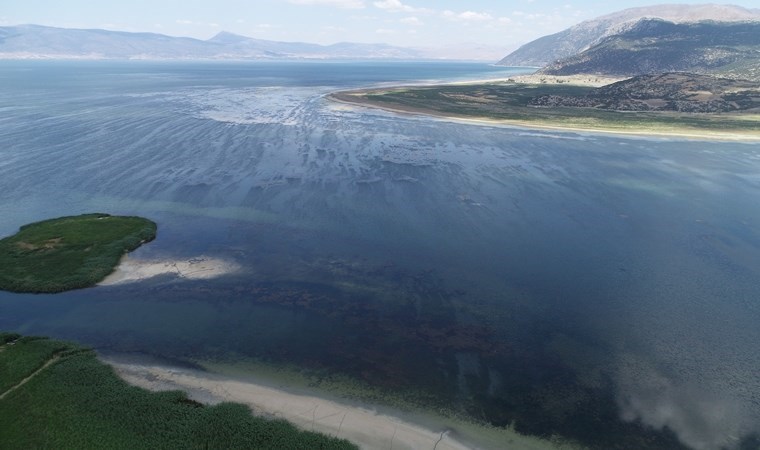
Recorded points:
(360,98)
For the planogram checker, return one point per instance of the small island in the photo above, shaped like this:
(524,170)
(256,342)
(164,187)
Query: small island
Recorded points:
(68,253)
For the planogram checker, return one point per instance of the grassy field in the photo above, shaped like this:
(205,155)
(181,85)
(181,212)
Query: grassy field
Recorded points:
(69,252)
(57,395)
(508,103)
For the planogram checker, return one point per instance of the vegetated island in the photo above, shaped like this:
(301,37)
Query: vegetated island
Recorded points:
(55,394)
(69,252)
(674,104)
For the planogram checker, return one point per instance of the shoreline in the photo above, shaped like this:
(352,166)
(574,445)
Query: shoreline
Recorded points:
(365,427)
(356,98)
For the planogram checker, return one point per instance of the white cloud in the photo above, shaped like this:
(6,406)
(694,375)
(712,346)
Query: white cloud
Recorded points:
(385,31)
(393,6)
(412,21)
(471,15)
(345,4)
(184,22)
(396,6)
(467,16)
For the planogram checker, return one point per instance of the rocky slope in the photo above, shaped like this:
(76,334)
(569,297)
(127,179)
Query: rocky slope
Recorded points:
(580,37)
(653,46)
(679,92)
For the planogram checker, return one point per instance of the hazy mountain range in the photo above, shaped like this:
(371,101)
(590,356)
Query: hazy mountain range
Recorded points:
(40,42)
(580,37)
(34,41)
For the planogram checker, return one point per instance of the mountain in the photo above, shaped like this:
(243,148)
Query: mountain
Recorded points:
(35,41)
(653,45)
(343,50)
(580,37)
(680,92)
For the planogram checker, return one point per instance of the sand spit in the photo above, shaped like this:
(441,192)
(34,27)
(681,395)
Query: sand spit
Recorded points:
(199,267)
(357,99)
(366,428)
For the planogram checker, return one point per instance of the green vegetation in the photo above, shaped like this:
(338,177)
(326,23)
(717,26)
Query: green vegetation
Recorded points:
(58,395)
(510,103)
(69,252)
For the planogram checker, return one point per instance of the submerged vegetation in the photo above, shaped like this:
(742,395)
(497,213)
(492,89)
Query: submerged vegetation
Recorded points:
(69,252)
(511,102)
(58,395)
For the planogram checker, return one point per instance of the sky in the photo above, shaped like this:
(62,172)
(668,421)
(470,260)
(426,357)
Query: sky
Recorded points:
(410,23)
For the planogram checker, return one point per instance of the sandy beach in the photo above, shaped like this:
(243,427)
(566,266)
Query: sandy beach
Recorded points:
(132,270)
(365,427)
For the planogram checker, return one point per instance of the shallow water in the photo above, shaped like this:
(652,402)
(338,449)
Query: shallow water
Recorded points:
(603,288)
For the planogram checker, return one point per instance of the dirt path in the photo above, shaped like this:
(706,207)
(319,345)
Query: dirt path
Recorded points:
(47,364)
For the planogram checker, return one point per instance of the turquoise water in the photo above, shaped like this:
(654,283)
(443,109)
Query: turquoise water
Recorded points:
(601,288)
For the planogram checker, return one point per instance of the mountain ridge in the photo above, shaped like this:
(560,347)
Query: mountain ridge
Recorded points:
(31,41)
(41,42)
(728,49)
(573,40)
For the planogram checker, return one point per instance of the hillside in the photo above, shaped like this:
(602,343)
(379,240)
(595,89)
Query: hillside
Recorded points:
(39,42)
(653,46)
(580,37)
(677,92)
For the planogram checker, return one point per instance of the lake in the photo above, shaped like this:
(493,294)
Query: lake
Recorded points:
(601,288)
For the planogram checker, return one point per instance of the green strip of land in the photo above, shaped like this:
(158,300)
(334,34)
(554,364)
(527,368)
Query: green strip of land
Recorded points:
(69,252)
(57,395)
(508,103)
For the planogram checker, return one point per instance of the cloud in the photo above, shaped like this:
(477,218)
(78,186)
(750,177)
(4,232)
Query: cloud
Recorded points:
(385,31)
(467,16)
(184,22)
(393,6)
(396,6)
(412,21)
(701,417)
(344,4)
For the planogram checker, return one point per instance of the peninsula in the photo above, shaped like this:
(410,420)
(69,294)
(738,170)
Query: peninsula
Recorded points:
(686,105)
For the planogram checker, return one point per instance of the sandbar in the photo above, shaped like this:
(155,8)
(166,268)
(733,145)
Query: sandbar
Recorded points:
(132,270)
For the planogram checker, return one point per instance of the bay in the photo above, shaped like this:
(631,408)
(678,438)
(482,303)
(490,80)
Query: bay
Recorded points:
(598,287)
